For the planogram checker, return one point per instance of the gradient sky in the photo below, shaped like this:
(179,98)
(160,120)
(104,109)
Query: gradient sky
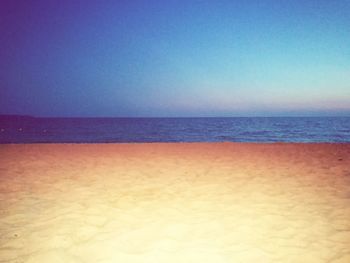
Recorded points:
(175,58)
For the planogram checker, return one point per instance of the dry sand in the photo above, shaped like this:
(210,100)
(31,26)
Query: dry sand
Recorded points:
(199,202)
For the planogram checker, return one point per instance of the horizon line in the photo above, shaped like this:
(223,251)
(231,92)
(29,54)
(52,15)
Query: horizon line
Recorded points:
(167,117)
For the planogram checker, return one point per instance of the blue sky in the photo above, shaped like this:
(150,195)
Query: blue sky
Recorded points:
(175,58)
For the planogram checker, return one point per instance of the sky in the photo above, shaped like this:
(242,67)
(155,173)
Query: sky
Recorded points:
(175,58)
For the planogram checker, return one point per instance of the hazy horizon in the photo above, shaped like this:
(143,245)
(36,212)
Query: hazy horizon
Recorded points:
(165,117)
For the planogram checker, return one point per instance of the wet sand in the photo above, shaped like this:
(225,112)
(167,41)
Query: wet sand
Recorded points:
(177,202)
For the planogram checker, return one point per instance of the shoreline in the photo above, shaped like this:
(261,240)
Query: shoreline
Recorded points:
(147,143)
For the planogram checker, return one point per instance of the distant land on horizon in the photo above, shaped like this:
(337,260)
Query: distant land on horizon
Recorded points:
(16,117)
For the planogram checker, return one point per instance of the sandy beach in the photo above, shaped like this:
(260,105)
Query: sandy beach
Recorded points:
(175,202)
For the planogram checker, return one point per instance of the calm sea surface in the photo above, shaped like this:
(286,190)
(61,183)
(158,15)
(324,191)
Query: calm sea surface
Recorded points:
(98,130)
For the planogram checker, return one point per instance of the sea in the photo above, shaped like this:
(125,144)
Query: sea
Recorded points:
(26,129)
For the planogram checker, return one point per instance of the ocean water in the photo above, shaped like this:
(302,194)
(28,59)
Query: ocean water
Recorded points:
(109,130)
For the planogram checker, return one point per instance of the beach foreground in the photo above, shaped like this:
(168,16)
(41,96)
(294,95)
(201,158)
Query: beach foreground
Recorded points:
(176,202)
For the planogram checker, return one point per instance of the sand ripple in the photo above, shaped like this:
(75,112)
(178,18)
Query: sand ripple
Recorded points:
(218,202)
